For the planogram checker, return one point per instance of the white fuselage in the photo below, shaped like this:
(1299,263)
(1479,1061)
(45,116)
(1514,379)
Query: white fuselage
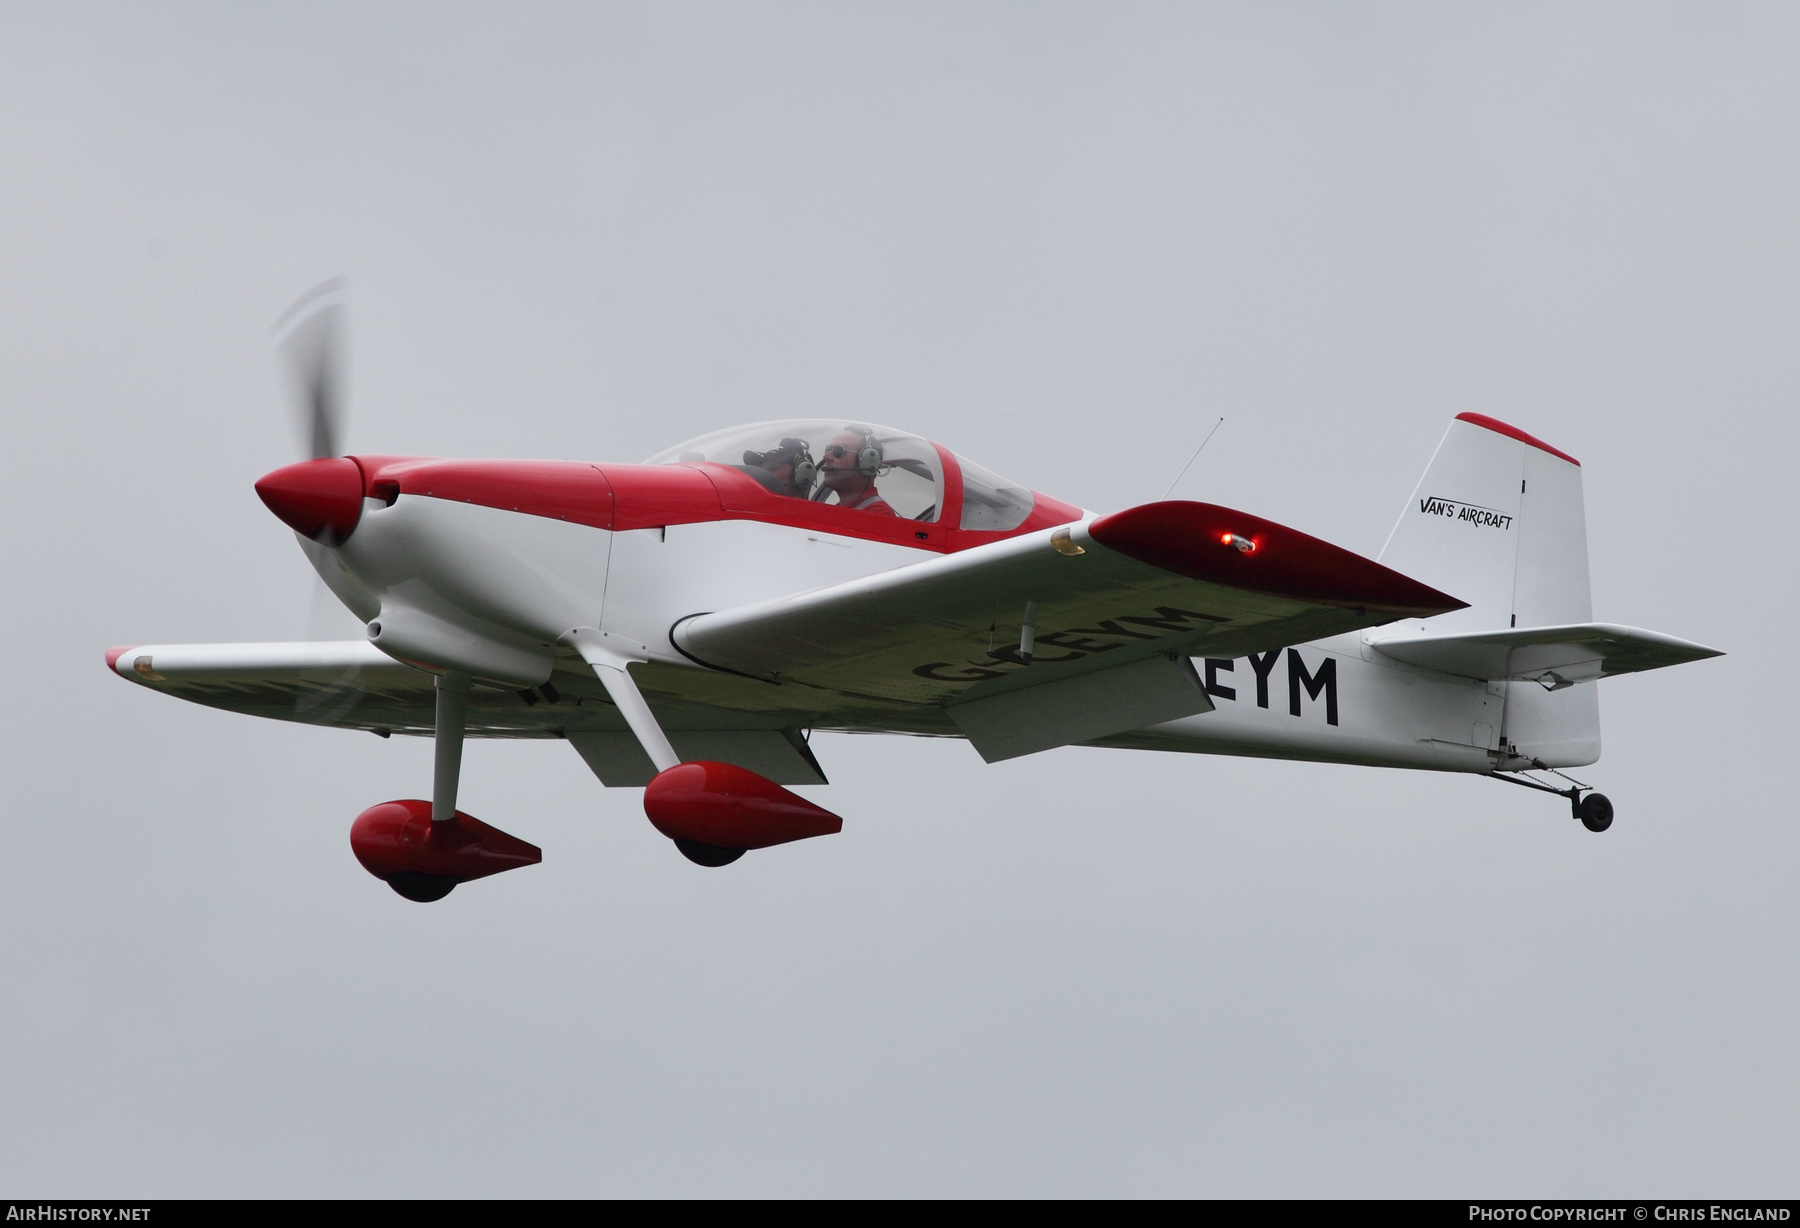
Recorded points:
(460,574)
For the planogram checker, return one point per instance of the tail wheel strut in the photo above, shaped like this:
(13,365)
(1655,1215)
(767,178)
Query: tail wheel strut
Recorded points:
(1593,810)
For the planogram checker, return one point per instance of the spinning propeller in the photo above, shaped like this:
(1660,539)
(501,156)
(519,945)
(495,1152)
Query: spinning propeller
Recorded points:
(311,335)
(320,498)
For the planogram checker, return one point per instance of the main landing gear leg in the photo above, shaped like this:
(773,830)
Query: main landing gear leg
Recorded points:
(714,812)
(446,766)
(611,667)
(446,776)
(424,849)
(1594,810)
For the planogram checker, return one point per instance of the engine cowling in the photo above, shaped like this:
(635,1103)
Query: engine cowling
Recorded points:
(398,843)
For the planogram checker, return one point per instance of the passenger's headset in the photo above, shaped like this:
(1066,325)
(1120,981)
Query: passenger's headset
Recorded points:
(805,470)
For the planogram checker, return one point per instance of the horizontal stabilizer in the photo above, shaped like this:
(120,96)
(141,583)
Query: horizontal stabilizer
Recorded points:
(1554,656)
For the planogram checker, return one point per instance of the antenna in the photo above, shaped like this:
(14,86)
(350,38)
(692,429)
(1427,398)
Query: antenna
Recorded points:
(1194,457)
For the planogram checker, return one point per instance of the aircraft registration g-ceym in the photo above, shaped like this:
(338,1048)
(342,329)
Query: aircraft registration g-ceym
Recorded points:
(686,623)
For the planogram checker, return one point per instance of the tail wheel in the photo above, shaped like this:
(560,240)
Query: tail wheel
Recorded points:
(1595,812)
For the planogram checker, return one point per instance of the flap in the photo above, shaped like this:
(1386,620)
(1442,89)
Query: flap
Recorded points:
(1555,656)
(782,756)
(1082,707)
(1153,580)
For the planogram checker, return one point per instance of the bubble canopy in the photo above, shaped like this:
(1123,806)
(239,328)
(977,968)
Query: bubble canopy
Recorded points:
(860,466)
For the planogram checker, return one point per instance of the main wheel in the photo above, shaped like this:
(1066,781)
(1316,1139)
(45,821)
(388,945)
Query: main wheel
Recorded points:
(1595,812)
(708,854)
(421,888)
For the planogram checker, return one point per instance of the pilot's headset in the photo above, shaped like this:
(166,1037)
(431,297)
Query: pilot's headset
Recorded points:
(869,459)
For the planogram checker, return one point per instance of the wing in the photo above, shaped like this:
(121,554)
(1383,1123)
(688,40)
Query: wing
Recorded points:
(1556,656)
(1165,578)
(351,684)
(348,684)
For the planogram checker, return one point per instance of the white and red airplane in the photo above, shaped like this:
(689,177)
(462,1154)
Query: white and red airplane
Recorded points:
(686,623)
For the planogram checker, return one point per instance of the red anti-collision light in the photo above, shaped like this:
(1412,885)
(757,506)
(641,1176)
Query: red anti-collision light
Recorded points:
(320,499)
(726,806)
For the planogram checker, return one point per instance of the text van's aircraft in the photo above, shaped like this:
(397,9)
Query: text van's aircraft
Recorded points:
(687,622)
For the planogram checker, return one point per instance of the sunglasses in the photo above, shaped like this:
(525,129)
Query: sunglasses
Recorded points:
(839,451)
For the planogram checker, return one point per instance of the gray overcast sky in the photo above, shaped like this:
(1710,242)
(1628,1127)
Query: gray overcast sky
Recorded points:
(1061,239)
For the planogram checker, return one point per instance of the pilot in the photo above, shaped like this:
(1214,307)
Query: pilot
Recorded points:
(849,467)
(790,463)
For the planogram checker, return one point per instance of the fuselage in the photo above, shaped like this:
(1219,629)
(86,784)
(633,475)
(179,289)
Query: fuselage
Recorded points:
(482,566)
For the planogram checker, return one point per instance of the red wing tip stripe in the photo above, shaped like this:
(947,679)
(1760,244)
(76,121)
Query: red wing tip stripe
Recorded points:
(114,653)
(1513,432)
(1190,539)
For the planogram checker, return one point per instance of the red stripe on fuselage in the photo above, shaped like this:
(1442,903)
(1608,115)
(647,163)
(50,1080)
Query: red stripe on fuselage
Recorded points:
(625,497)
(558,490)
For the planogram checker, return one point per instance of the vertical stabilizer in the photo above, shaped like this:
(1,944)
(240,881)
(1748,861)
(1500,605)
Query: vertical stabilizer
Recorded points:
(1498,521)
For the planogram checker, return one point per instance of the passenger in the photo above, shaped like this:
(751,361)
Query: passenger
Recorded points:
(791,465)
(849,467)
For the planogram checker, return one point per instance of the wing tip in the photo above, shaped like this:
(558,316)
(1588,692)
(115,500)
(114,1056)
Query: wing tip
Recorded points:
(114,653)
(1205,542)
